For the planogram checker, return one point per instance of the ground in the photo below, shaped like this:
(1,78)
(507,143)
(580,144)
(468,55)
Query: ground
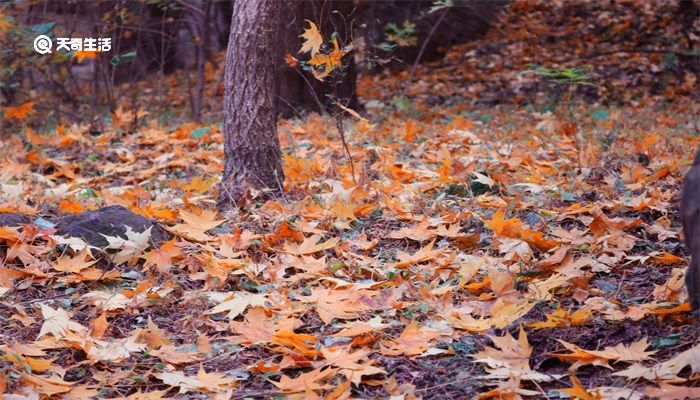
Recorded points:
(501,249)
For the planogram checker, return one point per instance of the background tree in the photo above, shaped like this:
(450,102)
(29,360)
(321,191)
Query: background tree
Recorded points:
(251,146)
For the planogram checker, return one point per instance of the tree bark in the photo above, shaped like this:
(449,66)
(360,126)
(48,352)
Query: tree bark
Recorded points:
(251,146)
(690,217)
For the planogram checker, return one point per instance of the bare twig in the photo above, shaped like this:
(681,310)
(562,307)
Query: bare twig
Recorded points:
(642,51)
(339,124)
(422,49)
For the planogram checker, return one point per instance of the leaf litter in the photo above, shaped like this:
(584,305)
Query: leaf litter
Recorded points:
(468,256)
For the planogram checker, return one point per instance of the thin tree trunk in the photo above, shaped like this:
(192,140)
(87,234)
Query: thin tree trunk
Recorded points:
(197,24)
(251,146)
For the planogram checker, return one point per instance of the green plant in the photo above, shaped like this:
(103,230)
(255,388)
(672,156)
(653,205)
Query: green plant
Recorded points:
(440,4)
(401,36)
(571,76)
(566,80)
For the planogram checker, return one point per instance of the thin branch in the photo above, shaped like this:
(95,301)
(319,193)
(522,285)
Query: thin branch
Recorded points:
(192,8)
(641,51)
(339,124)
(423,47)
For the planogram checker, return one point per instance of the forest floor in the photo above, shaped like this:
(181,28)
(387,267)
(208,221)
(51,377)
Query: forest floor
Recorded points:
(478,244)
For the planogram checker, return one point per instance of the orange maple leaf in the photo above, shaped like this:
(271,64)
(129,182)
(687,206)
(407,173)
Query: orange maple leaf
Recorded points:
(162,258)
(667,258)
(4,23)
(199,184)
(256,328)
(75,264)
(47,386)
(81,55)
(561,318)
(70,207)
(310,245)
(413,341)
(300,343)
(20,112)
(290,60)
(424,254)
(306,381)
(513,228)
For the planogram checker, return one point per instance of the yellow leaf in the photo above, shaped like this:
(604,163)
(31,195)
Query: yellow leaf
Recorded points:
(633,352)
(562,318)
(113,349)
(74,264)
(312,39)
(510,358)
(341,391)
(310,245)
(351,112)
(203,221)
(153,335)
(509,389)
(99,325)
(203,381)
(666,391)
(173,355)
(412,342)
(256,328)
(556,319)
(346,212)
(237,303)
(35,140)
(424,254)
(354,365)
(328,61)
(466,322)
(578,391)
(357,328)
(195,226)
(419,233)
(40,364)
(199,184)
(47,386)
(306,381)
(57,322)
(106,300)
(89,391)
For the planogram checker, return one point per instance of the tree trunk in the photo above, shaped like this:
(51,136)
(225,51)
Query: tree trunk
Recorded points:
(690,217)
(251,146)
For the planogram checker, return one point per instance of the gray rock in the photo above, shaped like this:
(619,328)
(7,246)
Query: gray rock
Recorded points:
(108,221)
(13,219)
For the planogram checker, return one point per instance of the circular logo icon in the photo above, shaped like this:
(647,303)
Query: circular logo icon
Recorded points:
(43,44)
